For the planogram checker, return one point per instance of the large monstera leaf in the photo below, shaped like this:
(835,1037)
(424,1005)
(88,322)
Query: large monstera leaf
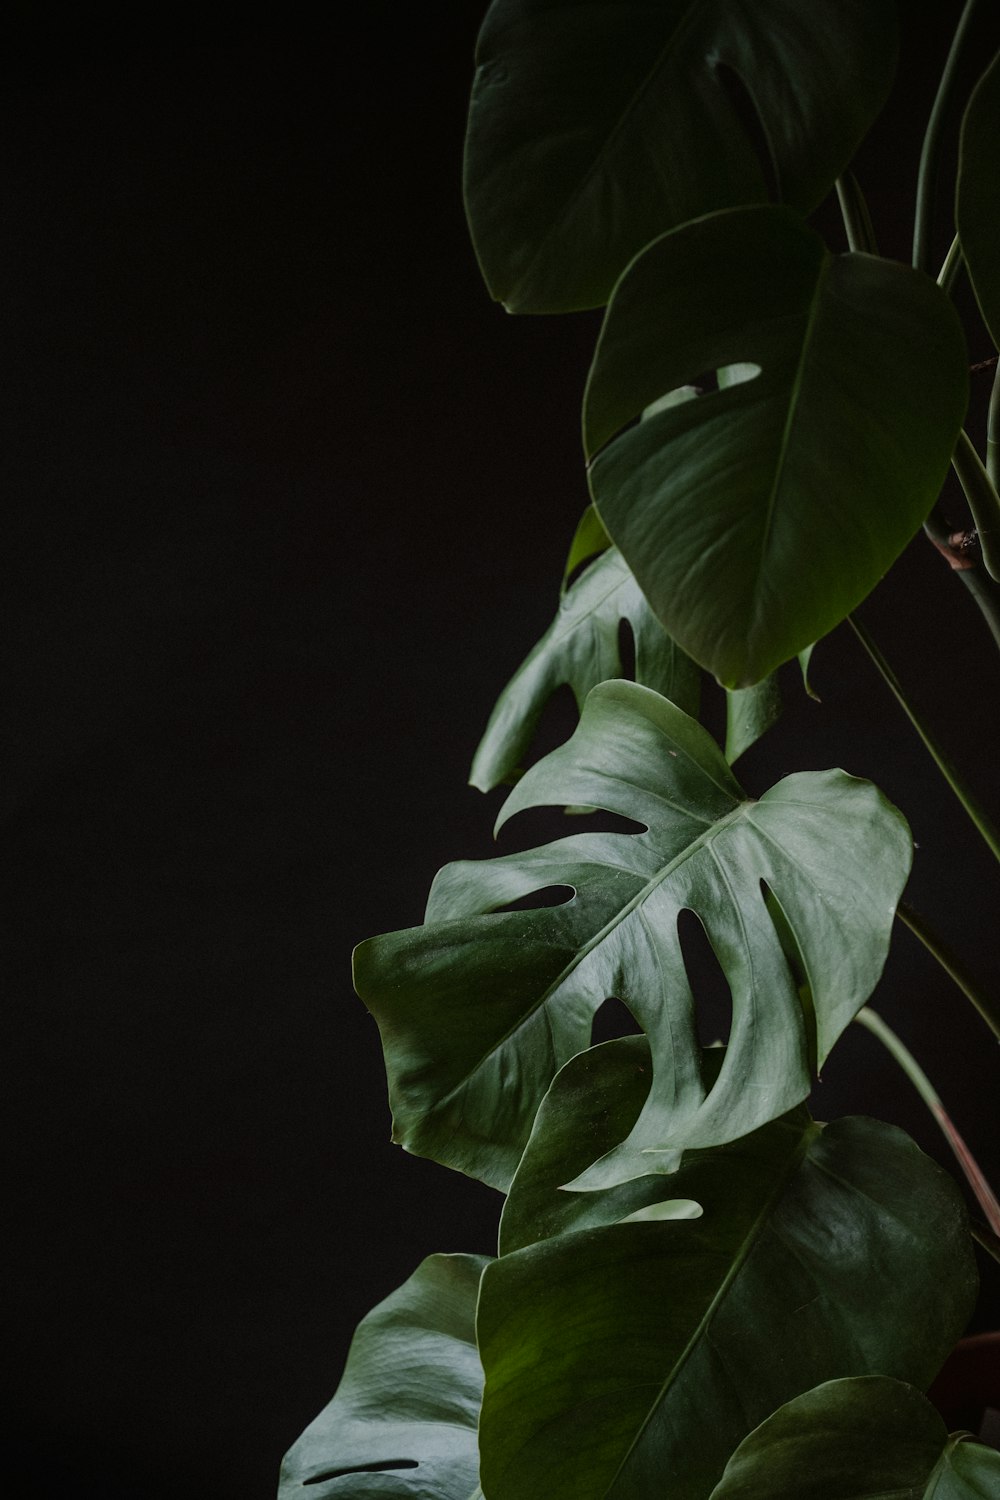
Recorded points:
(626,1358)
(595,125)
(978,202)
(756,517)
(479,1007)
(870,1438)
(402,1425)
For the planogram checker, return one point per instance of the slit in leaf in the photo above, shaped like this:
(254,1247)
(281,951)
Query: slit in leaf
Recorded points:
(612,1020)
(384,1467)
(712,995)
(626,650)
(796,963)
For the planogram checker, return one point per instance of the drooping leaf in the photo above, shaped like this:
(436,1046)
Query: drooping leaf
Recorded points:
(581,648)
(977,210)
(402,1425)
(627,1361)
(870,1438)
(479,1007)
(756,517)
(595,126)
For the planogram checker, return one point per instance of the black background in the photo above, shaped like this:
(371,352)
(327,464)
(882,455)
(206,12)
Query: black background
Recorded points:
(286,500)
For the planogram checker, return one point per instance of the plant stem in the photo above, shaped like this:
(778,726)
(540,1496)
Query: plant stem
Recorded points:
(930,155)
(983,500)
(937,754)
(984,1194)
(993,433)
(951,964)
(854,212)
(953,263)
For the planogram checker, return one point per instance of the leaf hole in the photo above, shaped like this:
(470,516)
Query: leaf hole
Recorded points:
(551,895)
(712,995)
(626,650)
(612,1020)
(797,967)
(385,1467)
(742,104)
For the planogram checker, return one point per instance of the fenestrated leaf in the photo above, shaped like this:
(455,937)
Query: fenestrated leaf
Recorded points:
(977,210)
(402,1425)
(627,1361)
(595,126)
(581,648)
(756,517)
(870,1438)
(479,1007)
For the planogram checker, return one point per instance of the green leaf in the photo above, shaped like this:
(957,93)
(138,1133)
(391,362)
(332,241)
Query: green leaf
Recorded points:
(402,1425)
(581,648)
(480,1007)
(589,539)
(977,210)
(870,1438)
(756,517)
(595,126)
(626,1361)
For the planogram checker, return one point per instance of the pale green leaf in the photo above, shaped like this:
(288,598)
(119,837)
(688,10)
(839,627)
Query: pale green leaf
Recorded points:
(402,1425)
(479,1007)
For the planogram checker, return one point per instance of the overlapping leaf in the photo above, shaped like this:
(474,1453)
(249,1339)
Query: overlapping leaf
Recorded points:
(977,209)
(864,1439)
(595,126)
(479,1007)
(626,1356)
(581,649)
(756,517)
(402,1425)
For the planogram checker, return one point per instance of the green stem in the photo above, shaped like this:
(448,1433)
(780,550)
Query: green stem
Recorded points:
(984,1194)
(984,503)
(951,964)
(941,760)
(953,263)
(930,156)
(854,212)
(993,433)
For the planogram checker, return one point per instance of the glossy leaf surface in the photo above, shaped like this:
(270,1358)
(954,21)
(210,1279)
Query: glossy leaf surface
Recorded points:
(627,1361)
(479,1007)
(863,1439)
(977,210)
(402,1425)
(581,648)
(756,517)
(596,126)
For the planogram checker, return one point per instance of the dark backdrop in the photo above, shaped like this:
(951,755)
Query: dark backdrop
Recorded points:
(286,499)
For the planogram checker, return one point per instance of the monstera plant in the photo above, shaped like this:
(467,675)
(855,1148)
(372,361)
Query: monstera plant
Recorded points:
(699,1290)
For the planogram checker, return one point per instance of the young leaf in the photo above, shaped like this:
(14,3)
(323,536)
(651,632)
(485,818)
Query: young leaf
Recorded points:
(402,1425)
(870,1438)
(480,1007)
(581,648)
(977,211)
(755,518)
(627,1361)
(594,127)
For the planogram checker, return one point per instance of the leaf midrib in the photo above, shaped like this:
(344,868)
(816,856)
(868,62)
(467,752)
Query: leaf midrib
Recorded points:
(703,840)
(632,103)
(749,1240)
